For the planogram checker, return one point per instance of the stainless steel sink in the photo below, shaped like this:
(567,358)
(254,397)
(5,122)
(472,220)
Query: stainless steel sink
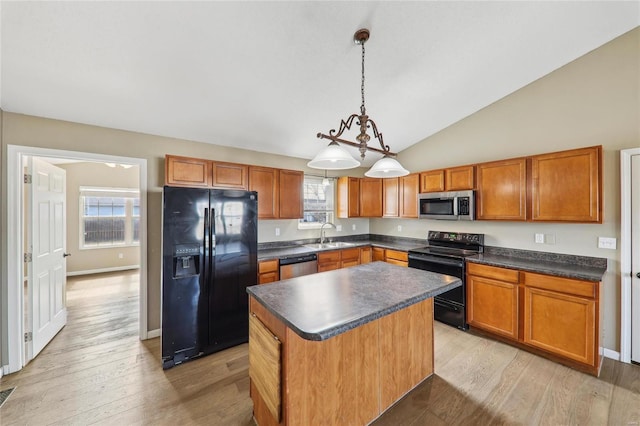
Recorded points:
(324,246)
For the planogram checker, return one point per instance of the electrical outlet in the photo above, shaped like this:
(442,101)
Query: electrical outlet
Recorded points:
(540,238)
(399,228)
(339,228)
(277,232)
(607,243)
(353,227)
(120,256)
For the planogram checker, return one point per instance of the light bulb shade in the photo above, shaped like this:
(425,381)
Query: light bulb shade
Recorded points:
(333,157)
(386,167)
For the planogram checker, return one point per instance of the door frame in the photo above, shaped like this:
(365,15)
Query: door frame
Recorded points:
(15,241)
(625,252)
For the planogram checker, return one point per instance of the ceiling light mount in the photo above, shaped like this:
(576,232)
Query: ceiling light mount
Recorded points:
(362,120)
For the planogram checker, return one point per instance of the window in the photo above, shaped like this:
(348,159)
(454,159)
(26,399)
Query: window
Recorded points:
(109,217)
(319,196)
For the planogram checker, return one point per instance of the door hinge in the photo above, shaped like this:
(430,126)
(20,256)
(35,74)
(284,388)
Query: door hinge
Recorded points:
(27,178)
(28,337)
(28,258)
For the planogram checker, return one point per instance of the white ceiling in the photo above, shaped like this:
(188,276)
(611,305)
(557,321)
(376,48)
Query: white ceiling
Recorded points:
(268,76)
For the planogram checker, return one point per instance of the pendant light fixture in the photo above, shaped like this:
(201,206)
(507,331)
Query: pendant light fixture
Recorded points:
(335,157)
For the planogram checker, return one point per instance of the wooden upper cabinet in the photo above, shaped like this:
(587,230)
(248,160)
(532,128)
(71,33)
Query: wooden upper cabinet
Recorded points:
(230,175)
(567,186)
(502,190)
(264,180)
(370,197)
(348,189)
(390,197)
(185,171)
(459,178)
(432,181)
(290,183)
(408,201)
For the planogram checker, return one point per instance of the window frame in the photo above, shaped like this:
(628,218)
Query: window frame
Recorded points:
(330,212)
(129,194)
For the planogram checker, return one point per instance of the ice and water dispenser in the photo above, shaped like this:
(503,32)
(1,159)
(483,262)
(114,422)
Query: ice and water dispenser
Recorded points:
(186,260)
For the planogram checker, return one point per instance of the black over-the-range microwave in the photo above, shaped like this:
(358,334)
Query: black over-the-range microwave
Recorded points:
(451,205)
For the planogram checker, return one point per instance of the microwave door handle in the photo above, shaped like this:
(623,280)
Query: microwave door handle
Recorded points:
(455,206)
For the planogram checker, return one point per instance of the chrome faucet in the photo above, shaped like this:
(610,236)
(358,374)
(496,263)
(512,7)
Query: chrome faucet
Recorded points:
(322,231)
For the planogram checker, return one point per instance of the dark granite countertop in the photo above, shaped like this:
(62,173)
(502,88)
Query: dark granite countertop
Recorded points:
(560,265)
(288,250)
(326,304)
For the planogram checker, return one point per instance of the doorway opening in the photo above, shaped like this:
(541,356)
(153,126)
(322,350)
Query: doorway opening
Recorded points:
(19,354)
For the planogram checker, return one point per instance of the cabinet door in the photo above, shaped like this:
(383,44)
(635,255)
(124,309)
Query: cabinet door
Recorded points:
(378,254)
(459,178)
(268,271)
(371,197)
(390,197)
(264,180)
(409,195)
(230,175)
(365,255)
(291,197)
(561,324)
(432,181)
(502,190)
(493,305)
(350,257)
(185,171)
(567,186)
(329,260)
(348,197)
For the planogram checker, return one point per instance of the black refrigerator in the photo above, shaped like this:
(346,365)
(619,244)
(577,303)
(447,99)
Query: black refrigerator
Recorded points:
(209,258)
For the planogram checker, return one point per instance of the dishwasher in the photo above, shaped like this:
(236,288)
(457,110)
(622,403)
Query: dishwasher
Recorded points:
(298,266)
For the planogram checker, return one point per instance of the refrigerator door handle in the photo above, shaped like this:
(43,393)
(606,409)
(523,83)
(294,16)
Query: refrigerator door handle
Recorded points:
(212,230)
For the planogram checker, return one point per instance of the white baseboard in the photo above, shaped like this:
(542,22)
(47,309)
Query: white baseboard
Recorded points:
(103,270)
(611,354)
(152,334)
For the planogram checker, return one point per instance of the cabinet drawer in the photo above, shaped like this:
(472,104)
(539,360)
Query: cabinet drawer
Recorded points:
(268,266)
(502,274)
(561,285)
(329,256)
(351,254)
(396,255)
(329,266)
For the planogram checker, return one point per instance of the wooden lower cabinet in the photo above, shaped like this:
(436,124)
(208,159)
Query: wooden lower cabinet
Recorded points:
(377,254)
(558,320)
(329,260)
(268,271)
(365,255)
(492,298)
(396,257)
(350,257)
(553,316)
(349,379)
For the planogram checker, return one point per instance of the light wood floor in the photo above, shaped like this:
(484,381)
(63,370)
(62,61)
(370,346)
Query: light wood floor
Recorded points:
(96,371)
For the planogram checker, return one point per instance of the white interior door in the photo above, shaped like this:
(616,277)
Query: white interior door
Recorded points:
(48,272)
(635,258)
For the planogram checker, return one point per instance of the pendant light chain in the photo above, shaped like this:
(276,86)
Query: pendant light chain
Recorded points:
(363,110)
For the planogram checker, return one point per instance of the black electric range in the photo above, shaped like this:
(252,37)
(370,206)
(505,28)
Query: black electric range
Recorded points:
(445,254)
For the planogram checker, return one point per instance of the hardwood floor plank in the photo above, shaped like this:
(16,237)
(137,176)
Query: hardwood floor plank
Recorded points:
(97,371)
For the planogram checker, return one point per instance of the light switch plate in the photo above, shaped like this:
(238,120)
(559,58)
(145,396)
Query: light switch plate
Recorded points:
(607,243)
(277,232)
(399,228)
(339,228)
(540,238)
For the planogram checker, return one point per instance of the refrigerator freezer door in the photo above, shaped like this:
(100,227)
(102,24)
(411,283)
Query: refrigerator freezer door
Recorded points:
(183,273)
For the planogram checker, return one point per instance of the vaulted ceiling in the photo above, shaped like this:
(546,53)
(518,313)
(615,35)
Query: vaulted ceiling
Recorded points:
(268,76)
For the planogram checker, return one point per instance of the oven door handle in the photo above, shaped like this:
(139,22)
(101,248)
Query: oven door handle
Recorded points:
(443,304)
(436,259)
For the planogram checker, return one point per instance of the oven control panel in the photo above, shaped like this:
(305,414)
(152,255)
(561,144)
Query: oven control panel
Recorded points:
(460,237)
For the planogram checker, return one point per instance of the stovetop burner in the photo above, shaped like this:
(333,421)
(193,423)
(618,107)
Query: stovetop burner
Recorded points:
(452,244)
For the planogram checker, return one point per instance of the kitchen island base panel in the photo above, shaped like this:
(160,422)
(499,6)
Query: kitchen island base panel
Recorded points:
(351,378)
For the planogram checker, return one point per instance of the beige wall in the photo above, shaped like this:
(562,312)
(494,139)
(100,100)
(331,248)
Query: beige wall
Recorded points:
(591,101)
(24,130)
(95,175)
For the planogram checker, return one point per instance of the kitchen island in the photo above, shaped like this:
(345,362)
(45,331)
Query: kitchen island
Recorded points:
(340,347)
